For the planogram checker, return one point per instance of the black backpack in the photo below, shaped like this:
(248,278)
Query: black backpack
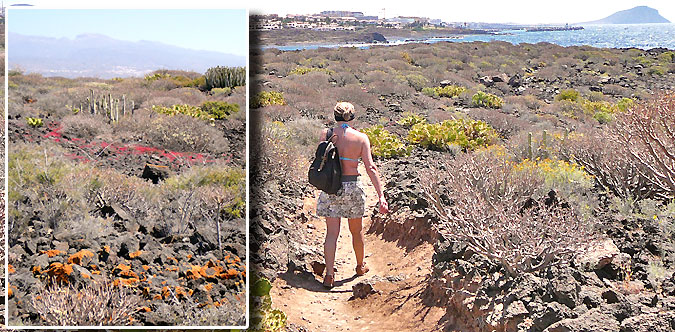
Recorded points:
(325,171)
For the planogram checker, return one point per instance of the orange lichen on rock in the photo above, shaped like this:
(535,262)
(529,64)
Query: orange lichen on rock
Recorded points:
(129,274)
(125,282)
(217,304)
(195,272)
(144,309)
(106,249)
(77,257)
(231,273)
(60,271)
(172,268)
(171,258)
(53,252)
(36,269)
(157,297)
(10,268)
(146,267)
(208,286)
(180,291)
(135,254)
(122,267)
(165,292)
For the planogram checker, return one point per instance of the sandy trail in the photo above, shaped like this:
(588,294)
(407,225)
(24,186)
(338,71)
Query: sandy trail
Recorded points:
(398,306)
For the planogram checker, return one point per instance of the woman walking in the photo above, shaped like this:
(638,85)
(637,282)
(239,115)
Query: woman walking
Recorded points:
(350,201)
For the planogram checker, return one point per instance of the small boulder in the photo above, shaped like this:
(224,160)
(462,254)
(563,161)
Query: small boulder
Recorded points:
(445,83)
(598,255)
(486,80)
(155,173)
(592,320)
(653,322)
(500,78)
(363,289)
(514,81)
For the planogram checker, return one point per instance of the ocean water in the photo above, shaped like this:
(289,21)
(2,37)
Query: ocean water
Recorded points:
(643,36)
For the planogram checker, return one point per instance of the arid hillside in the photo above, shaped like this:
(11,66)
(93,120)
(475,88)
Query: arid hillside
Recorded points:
(531,185)
(127,199)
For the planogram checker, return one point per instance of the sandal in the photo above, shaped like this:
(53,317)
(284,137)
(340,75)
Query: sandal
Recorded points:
(329,281)
(362,269)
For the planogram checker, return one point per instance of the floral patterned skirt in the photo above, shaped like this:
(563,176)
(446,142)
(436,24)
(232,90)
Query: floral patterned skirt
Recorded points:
(348,202)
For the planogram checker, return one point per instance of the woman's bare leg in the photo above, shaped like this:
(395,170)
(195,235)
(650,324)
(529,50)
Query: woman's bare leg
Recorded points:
(330,245)
(355,228)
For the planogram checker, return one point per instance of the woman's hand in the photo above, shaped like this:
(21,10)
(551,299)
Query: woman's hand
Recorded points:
(384,207)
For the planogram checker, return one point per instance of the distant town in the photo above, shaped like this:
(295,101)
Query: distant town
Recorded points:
(342,20)
(337,20)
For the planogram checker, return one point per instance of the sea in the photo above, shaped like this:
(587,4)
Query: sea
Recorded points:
(642,36)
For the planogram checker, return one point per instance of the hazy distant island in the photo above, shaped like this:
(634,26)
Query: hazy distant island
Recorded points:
(637,15)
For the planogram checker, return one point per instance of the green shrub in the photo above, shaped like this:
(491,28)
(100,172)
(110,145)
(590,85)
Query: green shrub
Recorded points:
(448,91)
(468,134)
(34,122)
(416,81)
(300,70)
(406,56)
(219,109)
(482,99)
(383,144)
(267,98)
(221,91)
(657,70)
(189,110)
(411,119)
(667,57)
(594,107)
(568,94)
(603,117)
(179,80)
(625,103)
(431,92)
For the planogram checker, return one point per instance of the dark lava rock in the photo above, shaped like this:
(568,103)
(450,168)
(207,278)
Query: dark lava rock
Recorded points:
(554,312)
(514,81)
(593,320)
(373,37)
(363,289)
(155,173)
(654,322)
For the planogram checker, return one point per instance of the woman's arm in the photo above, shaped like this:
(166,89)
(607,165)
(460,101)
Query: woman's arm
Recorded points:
(371,169)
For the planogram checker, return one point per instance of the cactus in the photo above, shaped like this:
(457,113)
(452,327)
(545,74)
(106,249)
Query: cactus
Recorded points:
(107,105)
(224,77)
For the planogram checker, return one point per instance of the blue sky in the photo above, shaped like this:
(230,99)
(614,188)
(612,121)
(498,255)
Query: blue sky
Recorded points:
(221,30)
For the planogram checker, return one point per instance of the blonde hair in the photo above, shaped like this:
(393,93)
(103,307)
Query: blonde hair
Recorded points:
(343,111)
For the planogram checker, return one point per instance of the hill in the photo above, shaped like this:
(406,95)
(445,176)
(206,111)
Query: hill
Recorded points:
(637,15)
(95,55)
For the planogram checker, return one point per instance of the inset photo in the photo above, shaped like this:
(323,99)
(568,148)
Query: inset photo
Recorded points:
(127,167)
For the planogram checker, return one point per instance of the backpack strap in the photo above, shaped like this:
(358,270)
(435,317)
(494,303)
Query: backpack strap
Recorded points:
(330,134)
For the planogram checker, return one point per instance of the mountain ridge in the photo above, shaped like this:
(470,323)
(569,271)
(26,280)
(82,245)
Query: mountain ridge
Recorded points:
(96,55)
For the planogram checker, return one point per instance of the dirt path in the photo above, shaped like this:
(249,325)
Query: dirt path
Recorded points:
(401,275)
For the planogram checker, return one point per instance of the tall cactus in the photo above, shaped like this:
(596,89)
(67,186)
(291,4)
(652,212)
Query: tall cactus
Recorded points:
(107,105)
(224,77)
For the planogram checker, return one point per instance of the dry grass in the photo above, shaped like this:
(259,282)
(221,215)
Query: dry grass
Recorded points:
(94,304)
